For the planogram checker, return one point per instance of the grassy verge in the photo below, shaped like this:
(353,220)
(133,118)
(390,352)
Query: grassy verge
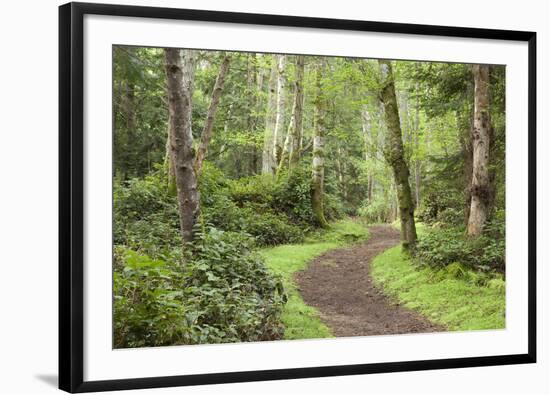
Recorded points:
(302,321)
(449,297)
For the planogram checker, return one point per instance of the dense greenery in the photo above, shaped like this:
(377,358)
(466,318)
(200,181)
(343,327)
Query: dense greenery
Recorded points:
(222,293)
(218,289)
(455,296)
(233,170)
(449,245)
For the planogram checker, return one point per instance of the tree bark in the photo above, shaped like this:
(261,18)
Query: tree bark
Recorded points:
(417,167)
(179,84)
(394,154)
(280,112)
(169,164)
(298,111)
(206,134)
(268,160)
(481,143)
(291,148)
(318,169)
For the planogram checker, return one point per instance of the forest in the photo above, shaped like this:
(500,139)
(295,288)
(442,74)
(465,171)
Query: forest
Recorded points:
(280,196)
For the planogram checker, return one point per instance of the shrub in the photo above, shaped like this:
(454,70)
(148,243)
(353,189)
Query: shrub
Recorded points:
(268,228)
(256,189)
(292,196)
(222,294)
(445,246)
(376,210)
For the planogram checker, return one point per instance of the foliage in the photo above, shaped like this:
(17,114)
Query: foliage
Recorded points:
(223,293)
(445,246)
(376,210)
(456,297)
(146,217)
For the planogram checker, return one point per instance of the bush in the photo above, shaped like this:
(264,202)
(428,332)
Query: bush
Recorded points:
(222,294)
(256,189)
(146,216)
(376,210)
(449,245)
(292,196)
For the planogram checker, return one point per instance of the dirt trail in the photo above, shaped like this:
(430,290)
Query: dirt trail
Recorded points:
(338,283)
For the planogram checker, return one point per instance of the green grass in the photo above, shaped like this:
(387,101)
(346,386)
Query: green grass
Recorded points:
(450,297)
(302,321)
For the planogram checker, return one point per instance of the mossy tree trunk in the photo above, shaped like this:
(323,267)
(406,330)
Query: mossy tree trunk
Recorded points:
(395,156)
(318,169)
(179,83)
(480,190)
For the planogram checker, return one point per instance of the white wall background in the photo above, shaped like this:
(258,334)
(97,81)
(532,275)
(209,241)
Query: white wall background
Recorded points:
(28,195)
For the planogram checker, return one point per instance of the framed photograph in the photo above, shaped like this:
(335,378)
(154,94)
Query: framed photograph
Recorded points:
(250,197)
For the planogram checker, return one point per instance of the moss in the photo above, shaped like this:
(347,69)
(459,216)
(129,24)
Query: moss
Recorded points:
(455,298)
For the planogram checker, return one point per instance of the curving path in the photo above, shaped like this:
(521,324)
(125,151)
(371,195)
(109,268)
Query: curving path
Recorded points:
(339,285)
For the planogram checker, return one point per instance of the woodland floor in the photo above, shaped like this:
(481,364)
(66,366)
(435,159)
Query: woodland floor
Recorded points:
(338,283)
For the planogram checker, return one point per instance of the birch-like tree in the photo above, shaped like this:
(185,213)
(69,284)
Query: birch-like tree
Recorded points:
(280,111)
(291,148)
(481,142)
(206,134)
(268,159)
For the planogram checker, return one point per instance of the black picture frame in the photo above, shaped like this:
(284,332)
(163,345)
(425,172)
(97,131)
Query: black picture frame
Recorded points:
(71,198)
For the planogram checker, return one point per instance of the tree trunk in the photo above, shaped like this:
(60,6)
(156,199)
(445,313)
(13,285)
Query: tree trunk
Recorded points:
(318,170)
(280,112)
(291,148)
(268,160)
(206,134)
(179,84)
(340,167)
(465,125)
(129,108)
(298,111)
(257,81)
(417,168)
(394,154)
(169,164)
(481,142)
(368,141)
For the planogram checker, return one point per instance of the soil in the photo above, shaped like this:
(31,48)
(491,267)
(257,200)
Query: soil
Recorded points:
(338,283)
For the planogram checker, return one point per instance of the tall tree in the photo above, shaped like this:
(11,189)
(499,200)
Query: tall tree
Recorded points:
(481,143)
(206,134)
(318,169)
(395,156)
(280,112)
(180,70)
(268,159)
(291,148)
(417,169)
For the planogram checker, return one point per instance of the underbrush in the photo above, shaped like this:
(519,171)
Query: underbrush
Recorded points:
(216,289)
(222,293)
(441,246)
(454,296)
(272,211)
